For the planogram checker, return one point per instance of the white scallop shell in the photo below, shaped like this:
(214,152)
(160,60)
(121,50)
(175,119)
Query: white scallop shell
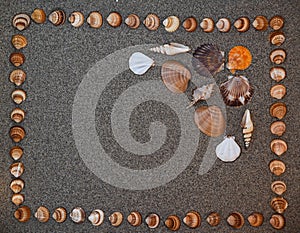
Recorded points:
(171,49)
(228,150)
(139,63)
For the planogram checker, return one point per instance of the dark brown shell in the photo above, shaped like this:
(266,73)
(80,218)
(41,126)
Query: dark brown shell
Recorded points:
(173,223)
(57,17)
(17,59)
(236,220)
(22,214)
(190,24)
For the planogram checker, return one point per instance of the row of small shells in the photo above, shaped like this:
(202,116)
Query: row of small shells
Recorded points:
(192,219)
(151,22)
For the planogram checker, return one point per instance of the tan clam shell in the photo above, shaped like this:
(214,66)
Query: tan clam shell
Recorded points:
(16,169)
(190,24)
(59,214)
(207,24)
(242,24)
(173,223)
(17,59)
(17,199)
(278,110)
(18,96)
(223,25)
(76,19)
(213,219)
(278,187)
(17,115)
(192,219)
(95,19)
(260,23)
(236,220)
(116,219)
(277,38)
(96,217)
(278,146)
(277,56)
(256,219)
(21,21)
(22,214)
(277,221)
(42,214)
(175,76)
(278,128)
(152,220)
(17,133)
(17,185)
(19,41)
(277,73)
(133,21)
(114,19)
(210,120)
(77,215)
(277,167)
(171,23)
(276,22)
(152,22)
(279,204)
(17,77)
(38,16)
(57,17)
(278,91)
(16,152)
(135,218)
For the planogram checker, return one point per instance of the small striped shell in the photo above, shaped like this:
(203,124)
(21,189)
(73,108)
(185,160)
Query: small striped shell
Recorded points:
(57,17)
(22,214)
(278,187)
(278,128)
(18,96)
(116,219)
(278,110)
(133,21)
(17,59)
(260,23)
(279,204)
(173,223)
(190,24)
(134,218)
(16,152)
(223,25)
(213,219)
(17,169)
(17,198)
(277,73)
(192,219)
(17,115)
(152,220)
(152,22)
(42,214)
(277,221)
(38,16)
(19,41)
(60,214)
(95,19)
(17,185)
(277,38)
(17,133)
(114,19)
(236,220)
(171,23)
(278,91)
(96,217)
(256,219)
(277,56)
(76,19)
(77,215)
(278,146)
(277,167)
(21,21)
(276,22)
(242,24)
(17,77)
(207,25)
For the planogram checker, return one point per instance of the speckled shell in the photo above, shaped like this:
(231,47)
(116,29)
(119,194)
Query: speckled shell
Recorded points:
(17,185)
(22,214)
(210,120)
(114,19)
(175,76)
(256,219)
(236,220)
(19,41)
(95,19)
(77,215)
(38,16)
(190,24)
(213,219)
(42,214)
(278,91)
(17,199)
(278,128)
(278,146)
(277,38)
(242,24)
(116,219)
(276,22)
(223,25)
(76,19)
(152,22)
(16,152)
(277,56)
(57,17)
(173,223)
(17,77)
(278,110)
(260,23)
(239,58)
(96,217)
(135,218)
(192,219)
(278,187)
(59,214)
(21,21)
(18,96)
(17,115)
(17,133)
(277,73)
(171,23)
(207,25)
(277,167)
(277,221)
(279,204)
(16,169)
(152,220)
(133,21)
(17,59)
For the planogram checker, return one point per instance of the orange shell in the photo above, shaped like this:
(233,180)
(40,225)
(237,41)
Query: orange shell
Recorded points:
(239,58)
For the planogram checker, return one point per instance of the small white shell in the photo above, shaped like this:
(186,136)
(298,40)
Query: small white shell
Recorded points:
(228,150)
(171,23)
(223,25)
(171,49)
(139,63)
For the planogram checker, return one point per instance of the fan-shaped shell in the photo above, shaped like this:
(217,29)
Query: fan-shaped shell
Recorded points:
(279,204)
(133,21)
(236,220)
(16,169)
(175,76)
(192,219)
(42,214)
(171,49)
(202,93)
(17,77)
(256,219)
(213,219)
(276,22)
(277,38)
(228,150)
(16,152)
(242,24)
(77,215)
(139,63)
(277,221)
(236,91)
(210,120)
(277,73)
(239,58)
(57,17)
(116,219)
(260,23)
(278,110)
(17,185)
(278,146)
(171,23)
(223,25)
(135,218)
(96,217)
(277,56)
(38,16)
(22,214)
(248,128)
(17,115)
(95,19)
(18,96)
(152,220)
(278,187)
(17,133)
(114,19)
(17,199)
(207,25)
(19,41)
(17,59)
(21,21)
(278,91)
(277,167)
(152,22)
(76,19)
(278,128)
(173,223)
(208,60)
(59,214)
(190,24)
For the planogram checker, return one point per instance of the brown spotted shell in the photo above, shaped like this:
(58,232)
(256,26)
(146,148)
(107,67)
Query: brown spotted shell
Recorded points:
(260,23)
(278,91)
(277,221)
(133,21)
(256,219)
(277,56)
(42,214)
(278,110)
(236,220)
(19,41)
(210,120)
(190,24)
(276,22)
(279,204)
(207,25)
(277,73)
(239,58)
(17,77)
(16,169)
(18,96)
(278,187)
(114,19)
(277,167)
(17,185)
(152,220)
(171,23)
(173,223)
(242,24)
(213,219)
(60,214)
(17,59)
(192,219)
(278,128)
(95,19)
(152,22)
(77,215)
(57,17)
(116,219)
(17,115)
(22,214)
(38,16)
(17,133)
(76,19)
(223,25)
(135,218)
(277,38)
(16,152)
(17,199)
(278,146)
(21,21)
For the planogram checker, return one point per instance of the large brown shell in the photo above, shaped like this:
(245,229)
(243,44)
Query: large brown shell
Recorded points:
(17,199)
(278,128)
(78,215)
(210,120)
(242,24)
(152,220)
(237,91)
(278,146)
(239,58)
(133,21)
(76,19)
(260,23)
(278,187)
(276,22)
(18,96)
(57,17)
(38,16)
(192,219)
(277,38)
(213,219)
(60,214)
(22,214)
(16,152)
(16,169)
(135,218)
(95,19)
(116,219)
(21,21)
(114,19)
(17,77)
(236,220)
(256,219)
(42,214)
(223,25)
(17,59)
(277,56)
(17,115)
(190,24)
(17,133)
(278,110)
(152,22)
(277,73)
(277,167)
(173,223)
(279,204)
(171,23)
(175,76)
(207,25)
(19,41)
(278,91)
(277,221)
(17,185)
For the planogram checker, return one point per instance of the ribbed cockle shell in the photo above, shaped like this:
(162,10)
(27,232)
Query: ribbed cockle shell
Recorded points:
(57,17)
(21,21)
(171,23)
(60,214)
(152,22)
(277,167)
(278,187)
(133,21)
(19,41)
(279,204)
